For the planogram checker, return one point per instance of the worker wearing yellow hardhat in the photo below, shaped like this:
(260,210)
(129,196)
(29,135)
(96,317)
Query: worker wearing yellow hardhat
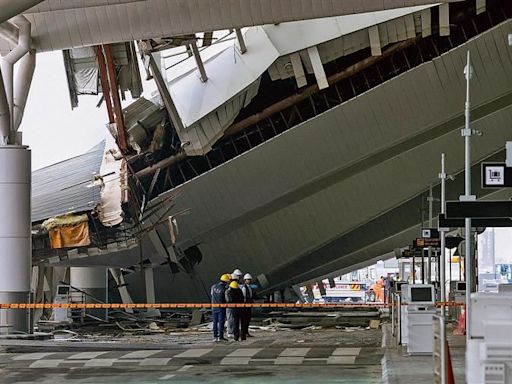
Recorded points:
(225,278)
(218,295)
(234,295)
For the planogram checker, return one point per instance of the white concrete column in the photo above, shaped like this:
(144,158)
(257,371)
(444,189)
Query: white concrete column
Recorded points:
(91,280)
(15,236)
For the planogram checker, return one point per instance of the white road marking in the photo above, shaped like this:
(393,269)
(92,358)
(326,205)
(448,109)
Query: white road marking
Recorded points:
(347,352)
(341,360)
(235,361)
(33,356)
(155,361)
(140,354)
(185,368)
(100,363)
(292,356)
(295,352)
(198,352)
(46,363)
(166,377)
(244,352)
(85,355)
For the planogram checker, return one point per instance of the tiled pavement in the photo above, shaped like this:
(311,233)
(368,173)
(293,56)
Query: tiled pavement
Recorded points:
(218,355)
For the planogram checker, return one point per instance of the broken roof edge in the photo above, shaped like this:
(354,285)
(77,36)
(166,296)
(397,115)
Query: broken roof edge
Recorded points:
(230,72)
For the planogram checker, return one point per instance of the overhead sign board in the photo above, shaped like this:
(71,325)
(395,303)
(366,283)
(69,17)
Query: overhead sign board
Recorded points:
(496,175)
(414,252)
(479,209)
(475,223)
(424,243)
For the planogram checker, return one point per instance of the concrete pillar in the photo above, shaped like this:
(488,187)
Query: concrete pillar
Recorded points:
(91,280)
(15,236)
(149,281)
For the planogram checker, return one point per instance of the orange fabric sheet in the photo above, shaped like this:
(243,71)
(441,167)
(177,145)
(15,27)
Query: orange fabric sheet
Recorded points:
(70,236)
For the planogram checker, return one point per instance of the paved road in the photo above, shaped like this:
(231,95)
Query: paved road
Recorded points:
(214,364)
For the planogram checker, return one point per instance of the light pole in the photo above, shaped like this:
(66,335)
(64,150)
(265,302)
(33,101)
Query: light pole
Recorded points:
(466,133)
(442,263)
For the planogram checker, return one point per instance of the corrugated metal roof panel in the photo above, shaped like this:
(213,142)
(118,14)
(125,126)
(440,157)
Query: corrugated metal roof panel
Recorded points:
(67,186)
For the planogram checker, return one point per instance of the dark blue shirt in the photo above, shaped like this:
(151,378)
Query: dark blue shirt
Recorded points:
(218,293)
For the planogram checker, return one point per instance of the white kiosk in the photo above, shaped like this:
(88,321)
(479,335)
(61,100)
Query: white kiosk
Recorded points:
(418,315)
(489,349)
(62,315)
(457,294)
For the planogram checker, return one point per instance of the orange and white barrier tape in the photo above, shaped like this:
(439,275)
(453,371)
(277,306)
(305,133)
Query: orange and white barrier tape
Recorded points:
(203,305)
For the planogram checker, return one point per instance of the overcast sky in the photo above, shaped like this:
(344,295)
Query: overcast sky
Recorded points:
(53,131)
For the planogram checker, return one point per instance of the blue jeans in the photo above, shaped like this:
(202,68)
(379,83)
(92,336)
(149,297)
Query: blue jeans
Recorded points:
(219,317)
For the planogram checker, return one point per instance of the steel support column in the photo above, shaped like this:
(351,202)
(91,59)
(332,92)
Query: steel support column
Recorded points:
(105,87)
(112,75)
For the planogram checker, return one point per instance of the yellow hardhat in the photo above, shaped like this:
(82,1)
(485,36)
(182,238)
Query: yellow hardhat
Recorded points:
(225,277)
(233,284)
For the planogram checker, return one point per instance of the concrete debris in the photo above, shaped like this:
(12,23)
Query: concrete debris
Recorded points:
(350,329)
(154,328)
(64,335)
(197,317)
(179,326)
(313,328)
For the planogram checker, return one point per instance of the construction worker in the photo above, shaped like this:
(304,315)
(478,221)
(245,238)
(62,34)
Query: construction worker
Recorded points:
(246,314)
(238,273)
(235,276)
(218,294)
(379,289)
(234,295)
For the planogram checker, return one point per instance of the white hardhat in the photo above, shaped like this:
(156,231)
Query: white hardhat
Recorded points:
(247,276)
(237,272)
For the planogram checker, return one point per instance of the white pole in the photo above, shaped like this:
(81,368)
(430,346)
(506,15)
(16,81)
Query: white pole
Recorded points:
(430,213)
(442,262)
(466,132)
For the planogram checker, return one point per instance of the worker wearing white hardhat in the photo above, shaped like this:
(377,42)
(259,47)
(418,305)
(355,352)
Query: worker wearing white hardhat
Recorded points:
(246,313)
(235,276)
